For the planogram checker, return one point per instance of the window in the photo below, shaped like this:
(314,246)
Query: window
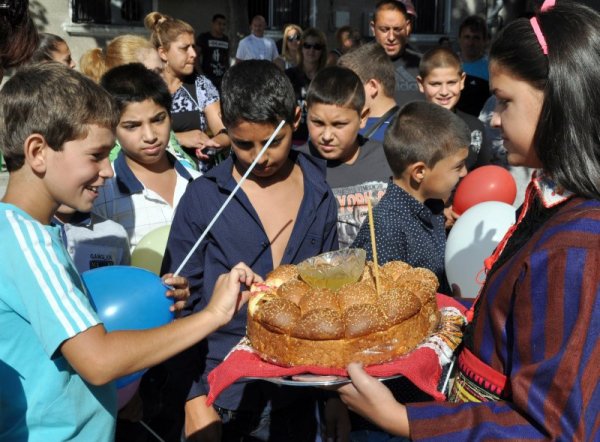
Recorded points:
(106,12)
(278,13)
(432,16)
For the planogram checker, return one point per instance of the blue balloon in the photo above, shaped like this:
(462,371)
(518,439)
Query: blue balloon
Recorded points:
(128,298)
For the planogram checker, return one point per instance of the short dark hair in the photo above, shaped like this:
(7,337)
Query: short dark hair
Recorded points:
(338,86)
(439,57)
(54,101)
(476,24)
(134,83)
(256,91)
(424,132)
(370,61)
(48,44)
(567,137)
(217,17)
(393,5)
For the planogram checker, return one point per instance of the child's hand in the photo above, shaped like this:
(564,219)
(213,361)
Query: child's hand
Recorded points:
(373,400)
(193,139)
(226,299)
(450,217)
(180,292)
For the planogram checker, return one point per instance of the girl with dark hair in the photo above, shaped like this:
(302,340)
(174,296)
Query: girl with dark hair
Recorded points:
(18,34)
(53,48)
(530,361)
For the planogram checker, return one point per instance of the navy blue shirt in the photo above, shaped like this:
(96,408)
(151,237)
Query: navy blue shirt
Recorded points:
(238,235)
(407,230)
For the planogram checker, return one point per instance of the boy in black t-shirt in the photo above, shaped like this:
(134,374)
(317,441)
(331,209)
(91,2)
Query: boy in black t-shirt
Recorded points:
(356,168)
(441,79)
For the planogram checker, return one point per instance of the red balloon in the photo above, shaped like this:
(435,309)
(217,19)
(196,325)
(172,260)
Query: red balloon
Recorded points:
(486,183)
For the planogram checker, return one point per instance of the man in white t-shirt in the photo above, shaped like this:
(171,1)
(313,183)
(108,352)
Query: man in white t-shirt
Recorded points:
(256,46)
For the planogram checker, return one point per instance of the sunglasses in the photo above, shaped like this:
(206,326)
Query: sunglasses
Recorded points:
(315,46)
(293,37)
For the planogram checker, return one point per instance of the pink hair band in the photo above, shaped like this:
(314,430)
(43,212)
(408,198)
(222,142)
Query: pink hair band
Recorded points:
(536,26)
(538,33)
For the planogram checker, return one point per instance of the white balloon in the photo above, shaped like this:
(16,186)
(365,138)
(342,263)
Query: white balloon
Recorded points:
(472,239)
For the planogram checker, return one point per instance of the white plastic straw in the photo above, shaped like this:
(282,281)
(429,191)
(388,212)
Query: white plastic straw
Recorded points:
(267,144)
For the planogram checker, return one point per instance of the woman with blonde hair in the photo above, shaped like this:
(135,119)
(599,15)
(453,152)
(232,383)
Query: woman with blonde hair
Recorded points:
(121,50)
(290,45)
(313,58)
(196,107)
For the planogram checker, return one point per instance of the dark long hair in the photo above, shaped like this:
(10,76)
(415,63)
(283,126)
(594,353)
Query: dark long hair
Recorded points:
(567,137)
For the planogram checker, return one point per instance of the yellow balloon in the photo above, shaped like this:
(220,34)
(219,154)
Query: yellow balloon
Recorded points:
(148,254)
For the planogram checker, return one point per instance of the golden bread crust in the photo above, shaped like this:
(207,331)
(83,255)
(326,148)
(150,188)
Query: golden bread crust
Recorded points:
(294,324)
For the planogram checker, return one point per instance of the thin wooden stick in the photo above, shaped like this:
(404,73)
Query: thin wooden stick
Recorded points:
(373,245)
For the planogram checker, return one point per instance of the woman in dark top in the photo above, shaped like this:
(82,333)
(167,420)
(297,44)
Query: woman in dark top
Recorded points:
(195,110)
(313,58)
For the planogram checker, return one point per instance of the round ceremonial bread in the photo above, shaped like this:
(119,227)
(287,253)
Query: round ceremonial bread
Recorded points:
(290,323)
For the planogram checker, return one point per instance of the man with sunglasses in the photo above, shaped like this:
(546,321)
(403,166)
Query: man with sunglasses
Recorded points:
(392,25)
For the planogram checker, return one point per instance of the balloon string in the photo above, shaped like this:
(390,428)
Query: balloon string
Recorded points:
(239,184)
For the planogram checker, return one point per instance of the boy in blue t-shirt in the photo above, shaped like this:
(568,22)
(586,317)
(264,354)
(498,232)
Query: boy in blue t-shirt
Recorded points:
(57,359)
(284,213)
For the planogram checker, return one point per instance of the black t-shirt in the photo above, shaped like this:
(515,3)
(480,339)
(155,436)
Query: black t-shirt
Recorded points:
(474,95)
(215,56)
(406,70)
(300,82)
(480,151)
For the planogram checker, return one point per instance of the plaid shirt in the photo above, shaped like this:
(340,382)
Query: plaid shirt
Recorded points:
(126,200)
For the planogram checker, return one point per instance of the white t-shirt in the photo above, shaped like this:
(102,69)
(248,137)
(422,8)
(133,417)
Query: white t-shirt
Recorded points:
(256,48)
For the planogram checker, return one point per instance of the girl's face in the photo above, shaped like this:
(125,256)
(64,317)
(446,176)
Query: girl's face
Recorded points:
(293,39)
(312,49)
(143,131)
(180,56)
(516,114)
(62,54)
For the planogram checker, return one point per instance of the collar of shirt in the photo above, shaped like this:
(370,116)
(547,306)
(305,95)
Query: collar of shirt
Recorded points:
(128,182)
(316,190)
(550,193)
(223,177)
(422,212)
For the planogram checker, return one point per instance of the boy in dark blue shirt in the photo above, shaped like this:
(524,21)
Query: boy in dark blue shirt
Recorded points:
(284,213)
(426,147)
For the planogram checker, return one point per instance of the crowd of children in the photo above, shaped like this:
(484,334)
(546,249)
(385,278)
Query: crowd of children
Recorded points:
(94,165)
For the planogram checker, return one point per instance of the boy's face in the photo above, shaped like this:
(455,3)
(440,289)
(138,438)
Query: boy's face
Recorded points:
(143,131)
(439,180)
(443,86)
(472,45)
(247,140)
(75,173)
(334,129)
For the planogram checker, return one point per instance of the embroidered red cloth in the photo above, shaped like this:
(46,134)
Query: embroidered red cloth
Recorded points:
(422,366)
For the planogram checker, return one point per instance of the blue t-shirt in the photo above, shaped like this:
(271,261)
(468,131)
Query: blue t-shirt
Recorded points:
(477,68)
(42,304)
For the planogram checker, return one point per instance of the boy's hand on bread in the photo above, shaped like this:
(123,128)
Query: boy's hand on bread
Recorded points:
(227,299)
(180,291)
